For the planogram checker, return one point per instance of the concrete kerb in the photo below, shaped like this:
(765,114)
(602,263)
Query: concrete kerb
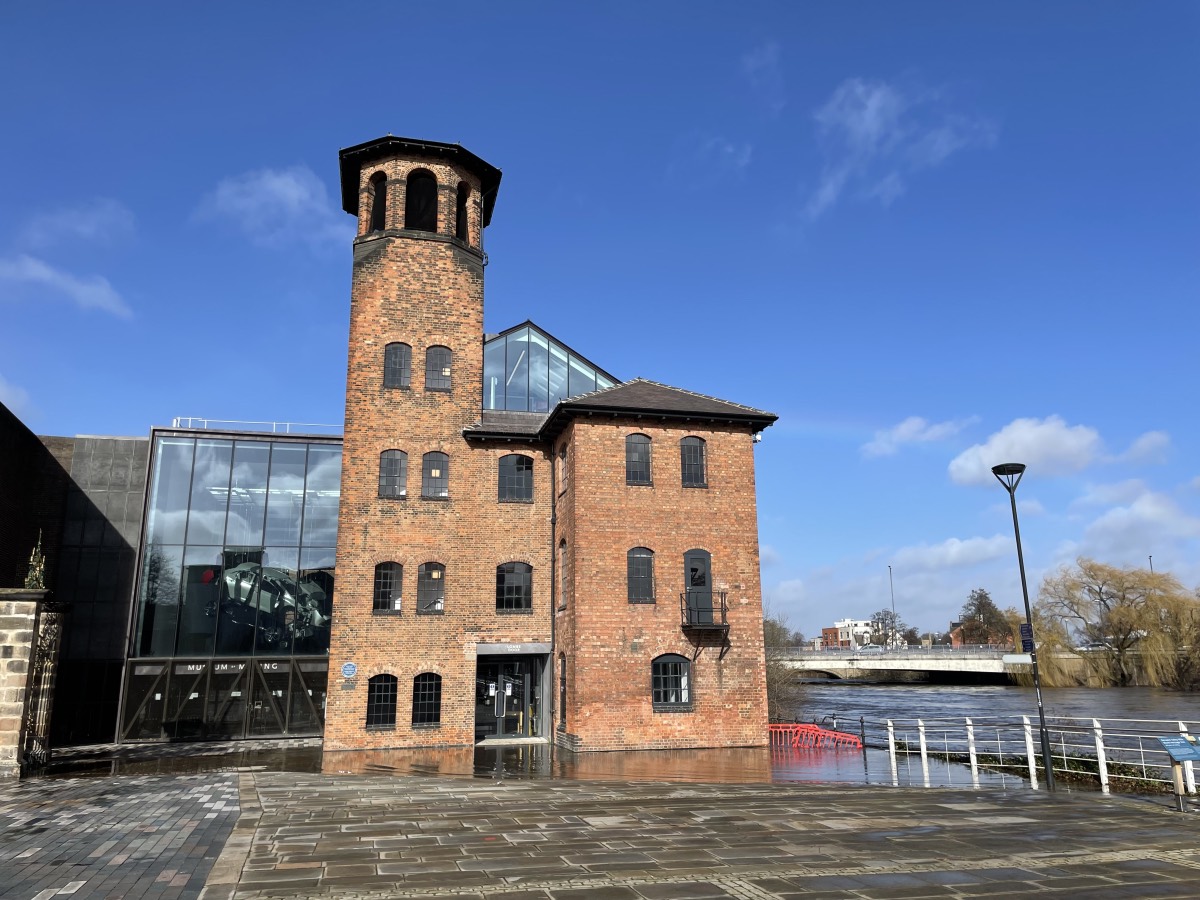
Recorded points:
(227,871)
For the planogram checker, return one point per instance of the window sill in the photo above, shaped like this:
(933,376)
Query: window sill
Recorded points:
(436,390)
(629,483)
(387,612)
(426,726)
(527,501)
(514,612)
(442,498)
(397,387)
(703,486)
(381,727)
(430,612)
(649,602)
(672,708)
(393,496)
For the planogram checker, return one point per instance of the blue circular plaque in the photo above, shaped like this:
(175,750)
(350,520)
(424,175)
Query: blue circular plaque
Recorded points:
(349,670)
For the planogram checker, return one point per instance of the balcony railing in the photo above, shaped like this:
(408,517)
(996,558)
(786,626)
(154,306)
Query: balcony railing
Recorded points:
(704,610)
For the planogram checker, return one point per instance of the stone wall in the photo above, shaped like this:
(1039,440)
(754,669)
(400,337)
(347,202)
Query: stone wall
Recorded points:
(18,617)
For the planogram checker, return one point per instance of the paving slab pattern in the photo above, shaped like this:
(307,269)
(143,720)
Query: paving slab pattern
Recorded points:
(132,837)
(374,837)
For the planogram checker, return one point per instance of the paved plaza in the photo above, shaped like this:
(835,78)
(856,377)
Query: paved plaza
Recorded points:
(256,834)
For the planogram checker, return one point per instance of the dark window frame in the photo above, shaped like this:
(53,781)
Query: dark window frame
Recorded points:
(381,702)
(639,574)
(693,462)
(387,597)
(379,192)
(671,683)
(563,573)
(421,201)
(516,484)
(397,366)
(427,700)
(461,221)
(435,486)
(514,588)
(439,369)
(638,461)
(431,589)
(393,475)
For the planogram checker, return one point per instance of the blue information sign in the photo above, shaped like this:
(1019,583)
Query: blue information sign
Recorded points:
(349,670)
(1026,631)
(1026,645)
(1180,748)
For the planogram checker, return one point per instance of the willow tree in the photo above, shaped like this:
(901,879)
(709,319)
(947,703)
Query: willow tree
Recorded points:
(1130,626)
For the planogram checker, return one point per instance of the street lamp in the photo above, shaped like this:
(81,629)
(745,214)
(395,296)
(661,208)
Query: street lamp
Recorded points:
(1009,475)
(892,588)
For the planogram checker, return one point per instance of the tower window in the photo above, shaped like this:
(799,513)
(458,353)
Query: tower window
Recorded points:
(514,587)
(427,699)
(637,459)
(435,475)
(381,703)
(516,479)
(640,569)
(691,462)
(397,365)
(378,202)
(460,211)
(420,201)
(431,589)
(393,474)
(389,577)
(437,369)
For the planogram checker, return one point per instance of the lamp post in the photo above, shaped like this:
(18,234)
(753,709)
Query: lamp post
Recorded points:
(1009,475)
(892,588)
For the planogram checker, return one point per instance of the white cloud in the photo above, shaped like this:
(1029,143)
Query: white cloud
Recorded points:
(1047,446)
(953,553)
(101,220)
(761,67)
(1151,447)
(768,555)
(1120,492)
(913,430)
(90,292)
(700,161)
(1150,521)
(876,135)
(275,206)
(14,397)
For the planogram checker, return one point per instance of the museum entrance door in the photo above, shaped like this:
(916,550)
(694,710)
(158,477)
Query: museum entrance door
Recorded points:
(508,698)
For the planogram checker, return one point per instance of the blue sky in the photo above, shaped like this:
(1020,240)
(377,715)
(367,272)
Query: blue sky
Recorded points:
(929,236)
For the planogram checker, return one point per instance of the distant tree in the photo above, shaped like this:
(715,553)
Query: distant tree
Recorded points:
(911,636)
(1130,626)
(783,691)
(983,622)
(886,627)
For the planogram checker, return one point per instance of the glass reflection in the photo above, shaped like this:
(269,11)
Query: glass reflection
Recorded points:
(285,493)
(210,492)
(248,493)
(526,370)
(169,490)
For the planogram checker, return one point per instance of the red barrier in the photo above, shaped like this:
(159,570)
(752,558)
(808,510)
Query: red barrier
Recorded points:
(811,737)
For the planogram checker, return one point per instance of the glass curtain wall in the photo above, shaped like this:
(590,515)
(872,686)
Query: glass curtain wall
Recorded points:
(237,561)
(528,371)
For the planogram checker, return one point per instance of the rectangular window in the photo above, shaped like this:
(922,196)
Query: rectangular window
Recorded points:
(514,588)
(641,575)
(691,462)
(637,459)
(670,683)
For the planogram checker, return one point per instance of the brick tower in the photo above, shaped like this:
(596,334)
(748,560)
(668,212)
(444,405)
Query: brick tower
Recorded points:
(420,539)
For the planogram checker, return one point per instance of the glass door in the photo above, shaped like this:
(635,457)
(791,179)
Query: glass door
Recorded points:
(507,701)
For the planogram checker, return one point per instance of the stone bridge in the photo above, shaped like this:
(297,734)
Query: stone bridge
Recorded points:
(913,664)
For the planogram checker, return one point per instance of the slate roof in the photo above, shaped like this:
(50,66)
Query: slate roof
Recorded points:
(639,397)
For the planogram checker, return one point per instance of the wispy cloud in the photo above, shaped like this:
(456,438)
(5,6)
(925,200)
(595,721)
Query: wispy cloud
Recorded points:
(699,161)
(875,136)
(89,292)
(277,206)
(101,221)
(762,69)
(913,430)
(1151,447)
(953,553)
(1049,446)
(16,398)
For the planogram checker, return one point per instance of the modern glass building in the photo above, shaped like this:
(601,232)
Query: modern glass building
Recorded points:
(230,627)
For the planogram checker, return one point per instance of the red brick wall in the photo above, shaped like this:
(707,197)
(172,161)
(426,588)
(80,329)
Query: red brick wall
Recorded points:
(610,642)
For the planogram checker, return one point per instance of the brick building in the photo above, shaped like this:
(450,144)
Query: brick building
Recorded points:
(526,547)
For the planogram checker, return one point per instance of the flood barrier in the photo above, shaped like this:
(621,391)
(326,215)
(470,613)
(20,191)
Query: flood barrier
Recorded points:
(811,737)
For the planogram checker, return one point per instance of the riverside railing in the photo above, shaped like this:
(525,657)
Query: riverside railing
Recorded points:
(1124,754)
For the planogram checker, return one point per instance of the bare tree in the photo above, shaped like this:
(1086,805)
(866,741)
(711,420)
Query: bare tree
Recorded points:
(783,691)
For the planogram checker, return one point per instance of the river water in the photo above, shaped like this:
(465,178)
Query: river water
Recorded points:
(847,701)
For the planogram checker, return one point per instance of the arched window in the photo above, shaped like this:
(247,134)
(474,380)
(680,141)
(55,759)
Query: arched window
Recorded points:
(393,474)
(691,462)
(640,568)
(381,702)
(420,201)
(431,589)
(516,479)
(670,682)
(397,365)
(460,211)
(437,369)
(562,691)
(389,578)
(637,459)
(562,575)
(378,202)
(514,587)
(427,699)
(435,475)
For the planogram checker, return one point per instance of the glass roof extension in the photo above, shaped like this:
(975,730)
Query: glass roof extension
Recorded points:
(527,370)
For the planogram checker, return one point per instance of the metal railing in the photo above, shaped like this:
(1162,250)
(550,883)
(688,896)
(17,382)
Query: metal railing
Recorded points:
(1124,754)
(704,609)
(240,425)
